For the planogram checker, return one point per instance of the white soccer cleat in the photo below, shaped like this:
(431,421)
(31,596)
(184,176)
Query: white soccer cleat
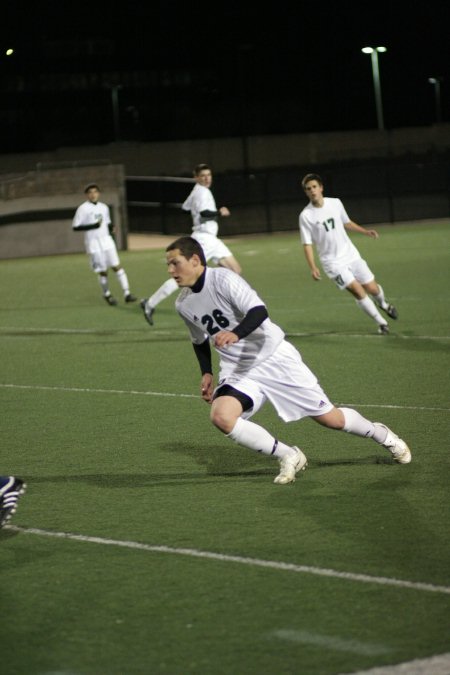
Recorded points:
(396,446)
(290,466)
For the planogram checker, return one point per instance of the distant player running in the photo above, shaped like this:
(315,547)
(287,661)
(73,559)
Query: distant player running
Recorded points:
(256,364)
(205,228)
(324,222)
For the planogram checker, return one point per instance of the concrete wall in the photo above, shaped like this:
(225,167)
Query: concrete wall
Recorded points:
(39,192)
(177,158)
(37,208)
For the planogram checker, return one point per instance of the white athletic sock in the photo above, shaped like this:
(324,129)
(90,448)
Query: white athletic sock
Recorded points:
(256,438)
(358,425)
(103,281)
(368,306)
(167,288)
(123,281)
(380,299)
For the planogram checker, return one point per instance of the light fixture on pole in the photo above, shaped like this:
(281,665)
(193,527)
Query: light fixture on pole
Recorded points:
(373,51)
(436,82)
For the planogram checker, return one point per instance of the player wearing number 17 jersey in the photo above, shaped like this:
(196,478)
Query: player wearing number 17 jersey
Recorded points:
(324,222)
(257,364)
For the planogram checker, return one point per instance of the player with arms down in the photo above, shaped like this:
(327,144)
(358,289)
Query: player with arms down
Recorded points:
(93,218)
(256,364)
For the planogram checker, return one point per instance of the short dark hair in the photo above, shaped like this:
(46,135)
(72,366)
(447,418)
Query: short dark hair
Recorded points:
(188,246)
(90,186)
(201,167)
(311,176)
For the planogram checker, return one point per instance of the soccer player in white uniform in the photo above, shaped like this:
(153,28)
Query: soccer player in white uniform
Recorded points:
(324,222)
(256,364)
(205,227)
(93,218)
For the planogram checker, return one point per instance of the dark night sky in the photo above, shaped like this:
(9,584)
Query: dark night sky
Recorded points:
(304,58)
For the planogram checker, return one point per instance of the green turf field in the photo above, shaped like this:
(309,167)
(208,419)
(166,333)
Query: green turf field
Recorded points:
(181,556)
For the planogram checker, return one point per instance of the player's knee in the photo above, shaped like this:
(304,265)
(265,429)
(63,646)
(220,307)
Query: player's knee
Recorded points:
(223,420)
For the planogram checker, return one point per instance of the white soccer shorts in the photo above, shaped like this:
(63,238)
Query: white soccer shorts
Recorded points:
(283,380)
(213,248)
(345,274)
(101,260)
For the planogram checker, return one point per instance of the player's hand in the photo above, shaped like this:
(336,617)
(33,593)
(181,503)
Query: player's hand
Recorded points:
(373,234)
(224,211)
(315,273)
(207,387)
(225,338)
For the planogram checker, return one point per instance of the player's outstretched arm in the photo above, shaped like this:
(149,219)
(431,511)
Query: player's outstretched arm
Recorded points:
(354,227)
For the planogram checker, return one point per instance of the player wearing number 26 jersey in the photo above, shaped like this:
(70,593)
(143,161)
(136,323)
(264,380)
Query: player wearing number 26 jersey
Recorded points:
(223,302)
(256,363)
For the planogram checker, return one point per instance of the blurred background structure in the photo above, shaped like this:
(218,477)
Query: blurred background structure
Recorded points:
(264,96)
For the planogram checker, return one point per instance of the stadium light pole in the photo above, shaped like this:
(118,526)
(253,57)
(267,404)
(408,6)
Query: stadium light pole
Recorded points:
(436,82)
(373,51)
(115,106)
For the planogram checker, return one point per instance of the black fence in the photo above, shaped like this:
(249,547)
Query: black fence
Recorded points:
(271,200)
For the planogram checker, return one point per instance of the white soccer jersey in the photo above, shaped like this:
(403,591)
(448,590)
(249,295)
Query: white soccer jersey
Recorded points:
(201,199)
(324,227)
(99,239)
(221,305)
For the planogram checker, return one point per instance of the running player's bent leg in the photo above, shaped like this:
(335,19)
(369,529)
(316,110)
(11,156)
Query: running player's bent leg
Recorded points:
(368,306)
(351,421)
(122,279)
(103,281)
(256,438)
(364,302)
(226,415)
(163,292)
(230,263)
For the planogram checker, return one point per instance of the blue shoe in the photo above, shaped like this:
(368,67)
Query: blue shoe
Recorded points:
(11,489)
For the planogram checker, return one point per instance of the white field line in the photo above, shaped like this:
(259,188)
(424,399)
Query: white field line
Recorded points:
(132,392)
(96,391)
(253,562)
(435,665)
(85,331)
(330,642)
(395,336)
(100,331)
